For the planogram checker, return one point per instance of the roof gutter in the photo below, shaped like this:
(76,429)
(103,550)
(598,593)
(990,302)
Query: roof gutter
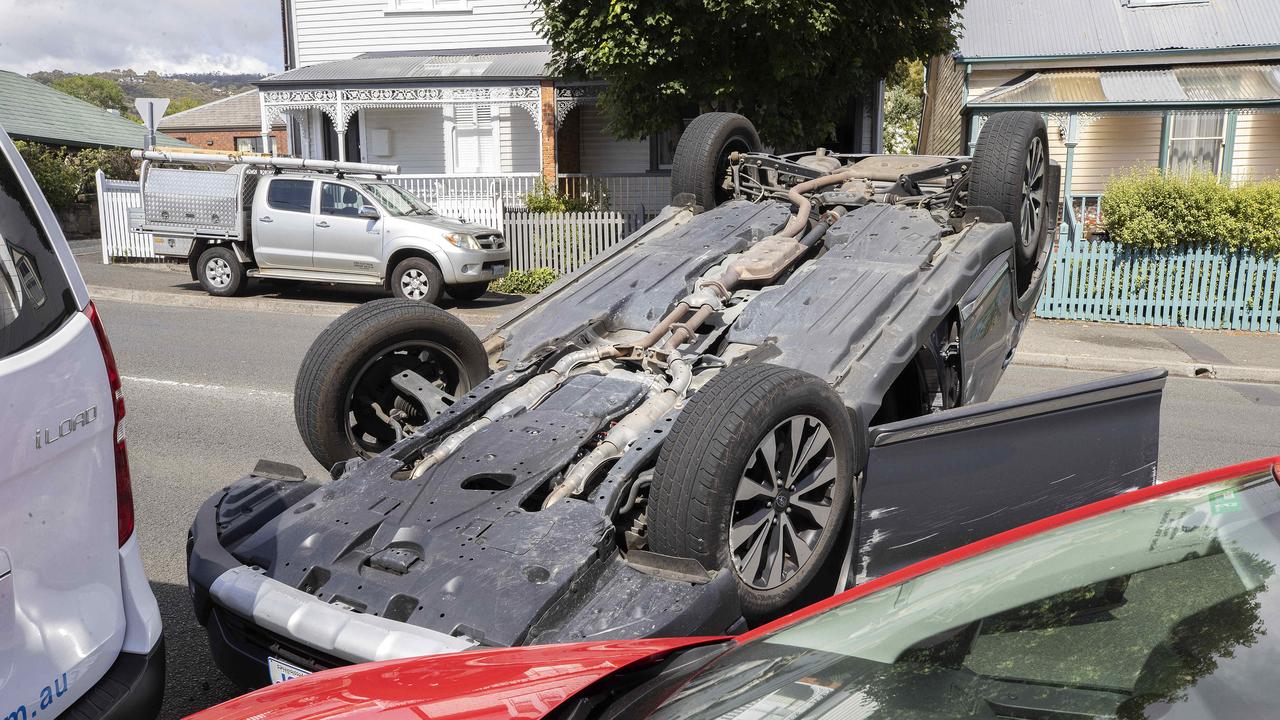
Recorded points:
(328,84)
(1122,54)
(1214,105)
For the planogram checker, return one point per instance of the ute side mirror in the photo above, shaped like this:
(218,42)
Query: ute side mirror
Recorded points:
(369,212)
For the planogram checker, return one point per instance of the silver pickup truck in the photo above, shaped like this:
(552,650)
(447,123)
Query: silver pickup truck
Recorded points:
(239,216)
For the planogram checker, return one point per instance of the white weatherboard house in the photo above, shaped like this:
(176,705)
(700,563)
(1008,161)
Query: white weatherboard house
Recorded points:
(457,93)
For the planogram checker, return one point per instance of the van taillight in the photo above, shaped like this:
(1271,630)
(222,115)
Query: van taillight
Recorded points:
(124,487)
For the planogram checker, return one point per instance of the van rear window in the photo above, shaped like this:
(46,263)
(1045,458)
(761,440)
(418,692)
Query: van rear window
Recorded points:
(35,296)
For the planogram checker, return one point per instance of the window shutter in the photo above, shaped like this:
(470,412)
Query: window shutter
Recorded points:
(475,148)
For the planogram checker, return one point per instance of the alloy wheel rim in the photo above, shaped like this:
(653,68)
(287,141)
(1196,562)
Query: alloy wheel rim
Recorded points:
(1033,193)
(218,271)
(414,284)
(782,506)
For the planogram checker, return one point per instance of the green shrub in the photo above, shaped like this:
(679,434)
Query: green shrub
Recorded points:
(65,174)
(1147,209)
(546,199)
(520,282)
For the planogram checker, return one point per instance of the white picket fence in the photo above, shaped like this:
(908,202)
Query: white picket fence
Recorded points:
(115,197)
(561,241)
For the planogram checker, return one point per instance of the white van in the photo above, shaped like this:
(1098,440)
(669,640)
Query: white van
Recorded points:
(80,629)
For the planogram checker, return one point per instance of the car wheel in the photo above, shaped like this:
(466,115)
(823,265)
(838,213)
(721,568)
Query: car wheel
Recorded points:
(417,279)
(467,291)
(702,155)
(220,272)
(756,476)
(379,367)
(1011,174)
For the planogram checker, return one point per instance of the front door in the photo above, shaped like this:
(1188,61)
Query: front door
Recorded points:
(344,241)
(283,225)
(941,481)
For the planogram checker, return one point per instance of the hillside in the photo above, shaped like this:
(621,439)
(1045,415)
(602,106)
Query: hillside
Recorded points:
(186,90)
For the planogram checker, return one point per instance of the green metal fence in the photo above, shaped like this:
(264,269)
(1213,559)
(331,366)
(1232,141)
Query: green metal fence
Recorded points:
(1208,288)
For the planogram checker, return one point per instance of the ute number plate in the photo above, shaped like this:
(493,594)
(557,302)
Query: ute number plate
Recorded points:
(281,671)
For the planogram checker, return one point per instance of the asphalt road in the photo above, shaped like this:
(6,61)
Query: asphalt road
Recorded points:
(210,391)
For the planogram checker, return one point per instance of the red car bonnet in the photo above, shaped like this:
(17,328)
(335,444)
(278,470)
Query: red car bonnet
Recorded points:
(528,682)
(519,682)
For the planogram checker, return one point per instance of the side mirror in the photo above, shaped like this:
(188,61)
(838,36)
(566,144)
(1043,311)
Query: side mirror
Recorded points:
(369,212)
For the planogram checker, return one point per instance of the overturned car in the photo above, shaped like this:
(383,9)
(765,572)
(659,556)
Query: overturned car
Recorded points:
(755,400)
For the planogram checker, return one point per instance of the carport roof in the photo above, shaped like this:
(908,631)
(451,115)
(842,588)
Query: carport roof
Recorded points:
(1189,85)
(436,66)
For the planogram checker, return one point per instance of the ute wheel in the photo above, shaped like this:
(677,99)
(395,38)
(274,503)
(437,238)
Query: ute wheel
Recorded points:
(702,155)
(385,359)
(756,477)
(220,272)
(417,279)
(468,291)
(1011,174)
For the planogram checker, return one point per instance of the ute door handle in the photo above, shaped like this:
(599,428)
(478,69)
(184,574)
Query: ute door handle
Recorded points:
(322,223)
(265,218)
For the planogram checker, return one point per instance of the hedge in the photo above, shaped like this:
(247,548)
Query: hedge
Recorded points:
(64,174)
(520,282)
(1148,209)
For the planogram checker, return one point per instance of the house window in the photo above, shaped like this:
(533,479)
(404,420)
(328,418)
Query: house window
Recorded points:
(415,6)
(475,141)
(1195,143)
(254,144)
(662,147)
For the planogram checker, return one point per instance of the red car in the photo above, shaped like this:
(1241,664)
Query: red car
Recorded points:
(1158,603)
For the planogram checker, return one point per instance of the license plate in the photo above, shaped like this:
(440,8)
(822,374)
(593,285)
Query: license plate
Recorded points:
(281,670)
(499,269)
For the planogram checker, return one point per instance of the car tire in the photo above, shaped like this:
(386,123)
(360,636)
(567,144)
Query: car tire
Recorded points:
(220,272)
(417,279)
(349,367)
(707,492)
(702,155)
(1011,174)
(467,291)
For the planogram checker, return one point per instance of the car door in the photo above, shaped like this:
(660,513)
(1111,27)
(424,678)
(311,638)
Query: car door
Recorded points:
(283,224)
(62,617)
(938,482)
(344,241)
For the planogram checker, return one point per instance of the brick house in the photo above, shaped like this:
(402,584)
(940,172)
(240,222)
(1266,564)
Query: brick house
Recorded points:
(233,124)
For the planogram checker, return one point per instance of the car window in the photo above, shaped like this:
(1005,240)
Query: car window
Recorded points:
(1168,609)
(35,295)
(340,200)
(290,195)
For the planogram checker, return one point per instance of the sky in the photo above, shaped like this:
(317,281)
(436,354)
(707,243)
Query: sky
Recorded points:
(168,36)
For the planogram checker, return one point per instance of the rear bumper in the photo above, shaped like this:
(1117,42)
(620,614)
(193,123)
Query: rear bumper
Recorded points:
(132,689)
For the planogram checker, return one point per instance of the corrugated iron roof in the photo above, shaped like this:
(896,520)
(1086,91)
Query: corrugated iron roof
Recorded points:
(1251,84)
(241,110)
(32,111)
(514,64)
(1053,28)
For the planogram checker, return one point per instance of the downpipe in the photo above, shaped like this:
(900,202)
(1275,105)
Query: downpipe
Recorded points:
(624,433)
(523,398)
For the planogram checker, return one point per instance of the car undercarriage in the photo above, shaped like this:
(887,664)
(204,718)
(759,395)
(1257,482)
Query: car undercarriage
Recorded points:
(666,442)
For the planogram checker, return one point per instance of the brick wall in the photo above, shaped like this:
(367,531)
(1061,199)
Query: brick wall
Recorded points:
(226,139)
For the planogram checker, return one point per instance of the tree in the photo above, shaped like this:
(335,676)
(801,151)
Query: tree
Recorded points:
(903,105)
(792,66)
(181,104)
(98,91)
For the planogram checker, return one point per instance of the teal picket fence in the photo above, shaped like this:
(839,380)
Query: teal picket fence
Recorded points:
(1207,288)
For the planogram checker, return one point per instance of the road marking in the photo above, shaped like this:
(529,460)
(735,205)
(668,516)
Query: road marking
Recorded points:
(209,388)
